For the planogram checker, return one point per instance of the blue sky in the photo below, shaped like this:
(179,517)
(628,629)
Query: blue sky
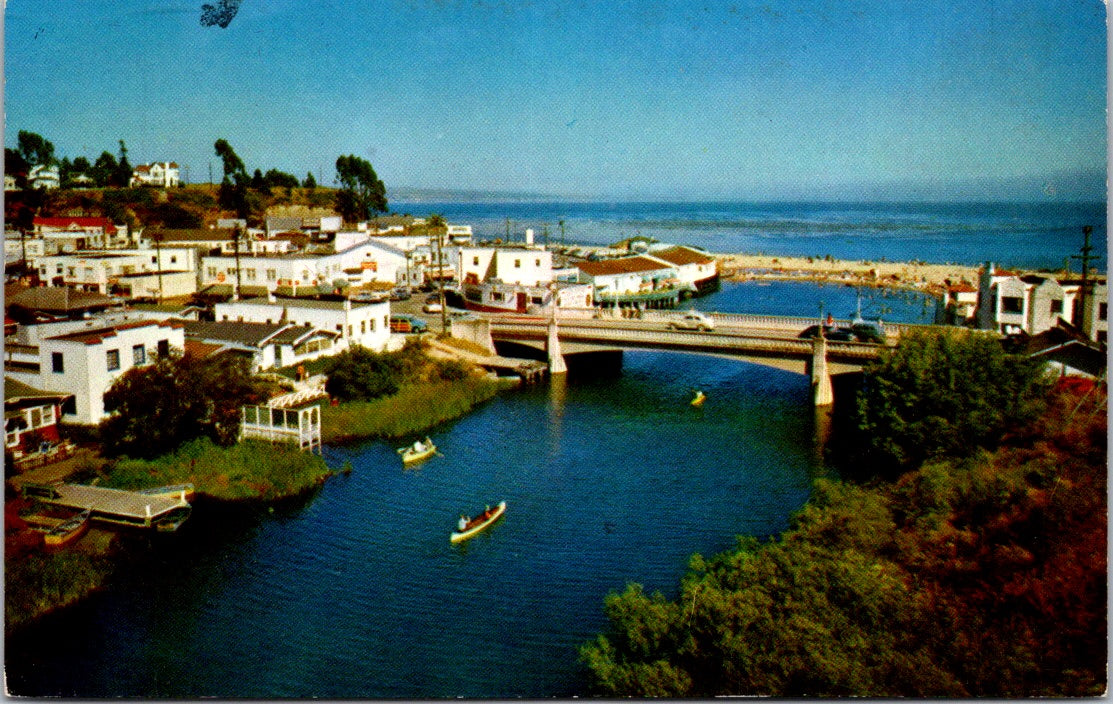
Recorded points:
(831,99)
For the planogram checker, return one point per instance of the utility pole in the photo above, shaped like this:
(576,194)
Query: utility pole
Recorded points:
(157,237)
(1084,289)
(507,229)
(440,282)
(236,254)
(561,233)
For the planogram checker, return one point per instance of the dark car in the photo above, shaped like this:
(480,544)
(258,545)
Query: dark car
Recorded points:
(868,332)
(401,293)
(830,332)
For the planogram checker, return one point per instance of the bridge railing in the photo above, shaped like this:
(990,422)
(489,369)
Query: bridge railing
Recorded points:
(719,341)
(753,320)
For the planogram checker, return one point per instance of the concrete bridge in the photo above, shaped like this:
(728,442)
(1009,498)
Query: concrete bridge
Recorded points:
(769,340)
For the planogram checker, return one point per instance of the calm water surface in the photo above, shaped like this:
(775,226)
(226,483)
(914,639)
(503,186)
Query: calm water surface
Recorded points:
(358,592)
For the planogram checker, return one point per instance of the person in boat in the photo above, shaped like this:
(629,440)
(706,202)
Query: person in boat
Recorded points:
(463,524)
(419,446)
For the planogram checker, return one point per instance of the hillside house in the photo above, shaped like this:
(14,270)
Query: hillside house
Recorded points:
(161,174)
(44,177)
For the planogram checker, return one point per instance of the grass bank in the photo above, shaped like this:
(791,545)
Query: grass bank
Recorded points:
(250,470)
(415,408)
(39,582)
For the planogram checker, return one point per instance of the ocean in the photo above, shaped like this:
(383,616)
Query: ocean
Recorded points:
(1018,235)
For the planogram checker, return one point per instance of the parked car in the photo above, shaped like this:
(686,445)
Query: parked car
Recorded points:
(868,332)
(401,293)
(693,320)
(433,304)
(400,322)
(830,332)
(371,297)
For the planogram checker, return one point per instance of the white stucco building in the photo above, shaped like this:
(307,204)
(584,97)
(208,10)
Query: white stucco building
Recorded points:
(363,324)
(86,362)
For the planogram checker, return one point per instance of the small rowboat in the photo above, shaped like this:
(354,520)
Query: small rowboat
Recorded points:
(418,451)
(68,530)
(699,399)
(475,525)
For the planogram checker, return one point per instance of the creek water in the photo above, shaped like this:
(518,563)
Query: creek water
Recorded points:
(357,592)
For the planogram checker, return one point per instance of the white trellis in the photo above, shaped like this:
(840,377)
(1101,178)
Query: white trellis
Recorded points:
(292,425)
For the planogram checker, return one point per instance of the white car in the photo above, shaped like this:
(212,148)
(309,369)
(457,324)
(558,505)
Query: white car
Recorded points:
(693,320)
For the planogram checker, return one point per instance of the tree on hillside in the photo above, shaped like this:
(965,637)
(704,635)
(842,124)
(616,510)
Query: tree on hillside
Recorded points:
(104,168)
(234,185)
(280,179)
(361,191)
(34,149)
(309,182)
(122,176)
(16,165)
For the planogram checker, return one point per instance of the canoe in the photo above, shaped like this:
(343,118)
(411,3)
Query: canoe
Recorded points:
(479,523)
(67,530)
(410,454)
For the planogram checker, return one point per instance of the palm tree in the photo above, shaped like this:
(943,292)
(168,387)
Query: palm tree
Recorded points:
(438,225)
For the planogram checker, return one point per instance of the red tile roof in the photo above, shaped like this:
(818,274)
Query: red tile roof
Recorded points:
(78,223)
(681,255)
(625,265)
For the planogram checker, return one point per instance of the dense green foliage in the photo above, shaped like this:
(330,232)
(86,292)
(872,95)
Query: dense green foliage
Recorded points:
(358,374)
(415,408)
(248,470)
(156,408)
(943,394)
(37,582)
(361,190)
(979,573)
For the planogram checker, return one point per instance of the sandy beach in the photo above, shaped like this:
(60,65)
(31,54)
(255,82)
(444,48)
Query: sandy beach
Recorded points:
(919,276)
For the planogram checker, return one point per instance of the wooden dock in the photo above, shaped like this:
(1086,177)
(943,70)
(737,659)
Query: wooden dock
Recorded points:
(118,506)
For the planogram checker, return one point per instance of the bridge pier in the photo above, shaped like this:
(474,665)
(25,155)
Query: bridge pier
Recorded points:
(823,394)
(557,364)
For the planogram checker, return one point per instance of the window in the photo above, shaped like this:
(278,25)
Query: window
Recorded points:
(212,272)
(372,321)
(57,364)
(1056,307)
(113,360)
(163,348)
(272,274)
(517,263)
(1103,311)
(173,260)
(537,262)
(154,260)
(363,327)
(250,274)
(1012,304)
(475,261)
(139,354)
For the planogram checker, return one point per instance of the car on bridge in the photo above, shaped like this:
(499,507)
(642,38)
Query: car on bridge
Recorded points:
(693,320)
(830,332)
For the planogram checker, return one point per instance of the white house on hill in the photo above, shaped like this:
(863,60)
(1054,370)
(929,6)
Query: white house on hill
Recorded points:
(162,174)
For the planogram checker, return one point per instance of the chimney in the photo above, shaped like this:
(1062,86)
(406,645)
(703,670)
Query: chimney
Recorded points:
(529,237)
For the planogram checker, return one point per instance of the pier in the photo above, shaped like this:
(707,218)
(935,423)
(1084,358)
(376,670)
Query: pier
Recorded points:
(162,511)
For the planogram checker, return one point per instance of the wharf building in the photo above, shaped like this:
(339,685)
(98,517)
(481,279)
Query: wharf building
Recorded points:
(1014,303)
